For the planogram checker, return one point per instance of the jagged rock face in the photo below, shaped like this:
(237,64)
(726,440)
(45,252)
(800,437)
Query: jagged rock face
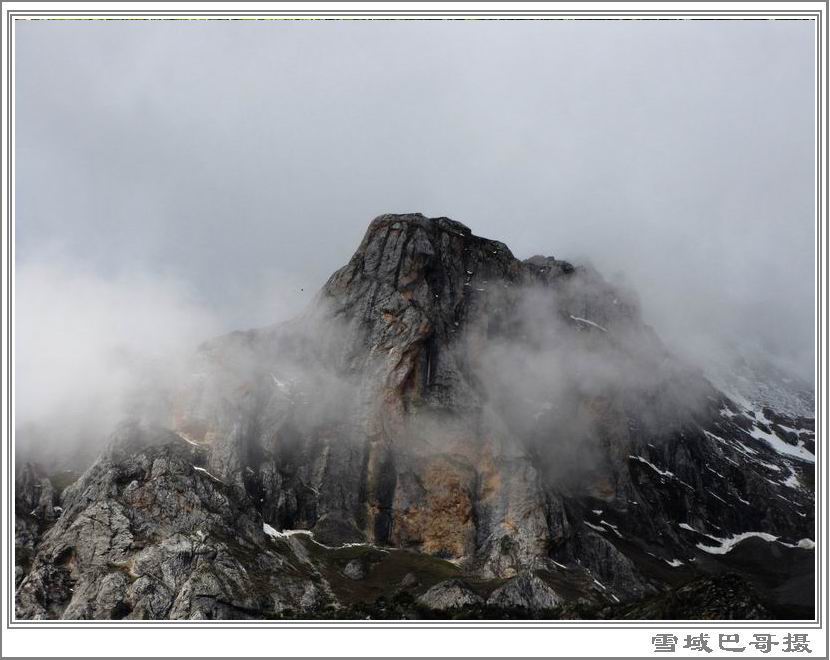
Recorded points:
(416,457)
(442,397)
(147,533)
(34,511)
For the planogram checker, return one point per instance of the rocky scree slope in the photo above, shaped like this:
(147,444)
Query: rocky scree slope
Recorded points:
(446,428)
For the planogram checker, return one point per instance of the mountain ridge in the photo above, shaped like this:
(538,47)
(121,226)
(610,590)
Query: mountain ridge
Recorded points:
(504,422)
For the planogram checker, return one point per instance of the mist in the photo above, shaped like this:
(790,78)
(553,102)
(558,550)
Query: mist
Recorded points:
(92,350)
(176,180)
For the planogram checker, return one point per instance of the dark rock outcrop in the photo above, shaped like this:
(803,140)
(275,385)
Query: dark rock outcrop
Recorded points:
(35,509)
(727,597)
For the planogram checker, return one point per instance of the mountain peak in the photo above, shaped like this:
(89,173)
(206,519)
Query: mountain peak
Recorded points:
(392,237)
(509,423)
(429,260)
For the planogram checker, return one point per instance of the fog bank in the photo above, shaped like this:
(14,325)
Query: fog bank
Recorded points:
(197,177)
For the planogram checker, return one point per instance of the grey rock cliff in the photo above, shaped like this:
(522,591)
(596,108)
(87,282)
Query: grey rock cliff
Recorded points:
(148,533)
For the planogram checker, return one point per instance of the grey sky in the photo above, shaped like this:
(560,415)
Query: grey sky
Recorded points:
(243,160)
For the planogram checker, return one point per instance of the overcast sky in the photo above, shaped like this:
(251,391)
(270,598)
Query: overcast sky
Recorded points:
(232,164)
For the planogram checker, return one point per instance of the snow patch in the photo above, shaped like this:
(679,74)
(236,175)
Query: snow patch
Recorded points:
(270,531)
(581,320)
(274,534)
(212,476)
(742,448)
(716,472)
(664,473)
(182,436)
(781,447)
(718,497)
(792,481)
(287,533)
(612,527)
(726,544)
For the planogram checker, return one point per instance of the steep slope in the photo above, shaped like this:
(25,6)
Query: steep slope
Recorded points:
(497,419)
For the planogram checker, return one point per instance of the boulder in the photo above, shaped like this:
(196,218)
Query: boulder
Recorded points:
(448,595)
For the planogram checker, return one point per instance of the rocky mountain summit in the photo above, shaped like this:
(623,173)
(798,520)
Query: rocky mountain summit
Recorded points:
(447,431)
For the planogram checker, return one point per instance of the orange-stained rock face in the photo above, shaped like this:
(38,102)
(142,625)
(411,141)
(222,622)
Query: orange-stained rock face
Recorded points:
(434,511)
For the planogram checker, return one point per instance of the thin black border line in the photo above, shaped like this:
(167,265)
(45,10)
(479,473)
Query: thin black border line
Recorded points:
(690,14)
(405,12)
(7,310)
(348,625)
(184,19)
(821,210)
(818,563)
(9,239)
(821,123)
(818,315)
(669,15)
(820,449)
(10,275)
(270,2)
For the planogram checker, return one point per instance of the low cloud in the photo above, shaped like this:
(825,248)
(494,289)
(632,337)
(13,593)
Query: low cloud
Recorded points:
(91,349)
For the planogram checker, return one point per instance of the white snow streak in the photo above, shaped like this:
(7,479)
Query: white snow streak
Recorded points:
(212,476)
(581,320)
(782,447)
(664,473)
(182,436)
(274,534)
(612,527)
(726,544)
